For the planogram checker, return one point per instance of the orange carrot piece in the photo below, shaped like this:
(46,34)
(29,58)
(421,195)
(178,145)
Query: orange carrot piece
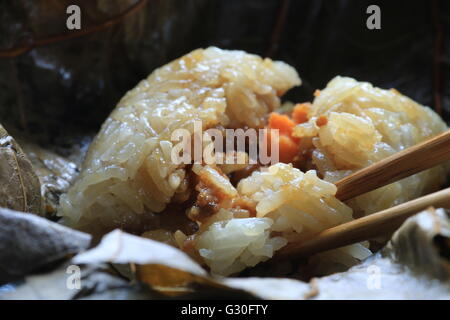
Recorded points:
(281,122)
(288,149)
(321,121)
(300,112)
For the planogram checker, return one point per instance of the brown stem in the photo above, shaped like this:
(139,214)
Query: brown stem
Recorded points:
(278,29)
(21,49)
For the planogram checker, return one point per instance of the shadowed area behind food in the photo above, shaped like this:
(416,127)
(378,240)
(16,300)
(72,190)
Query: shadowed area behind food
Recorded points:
(61,92)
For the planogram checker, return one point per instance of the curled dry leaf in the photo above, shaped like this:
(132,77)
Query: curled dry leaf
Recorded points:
(159,265)
(123,248)
(98,283)
(55,173)
(270,288)
(424,244)
(20,188)
(95,283)
(28,242)
(171,281)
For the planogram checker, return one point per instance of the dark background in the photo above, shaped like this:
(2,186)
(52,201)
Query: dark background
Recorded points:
(61,90)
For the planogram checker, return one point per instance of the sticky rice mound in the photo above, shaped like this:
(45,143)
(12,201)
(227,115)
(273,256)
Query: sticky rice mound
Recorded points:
(364,125)
(241,214)
(290,206)
(128,173)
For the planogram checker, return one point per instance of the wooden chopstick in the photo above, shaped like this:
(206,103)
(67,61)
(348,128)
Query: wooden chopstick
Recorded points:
(407,162)
(364,228)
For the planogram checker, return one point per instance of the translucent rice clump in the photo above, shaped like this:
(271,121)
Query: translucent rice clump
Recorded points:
(364,125)
(290,206)
(128,171)
(300,203)
(230,245)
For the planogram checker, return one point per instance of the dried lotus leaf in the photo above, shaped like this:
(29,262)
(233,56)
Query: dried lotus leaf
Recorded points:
(424,244)
(163,277)
(96,284)
(160,266)
(174,282)
(20,188)
(118,247)
(54,171)
(29,242)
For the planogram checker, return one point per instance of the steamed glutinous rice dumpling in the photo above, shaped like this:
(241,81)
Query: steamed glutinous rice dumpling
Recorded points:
(233,216)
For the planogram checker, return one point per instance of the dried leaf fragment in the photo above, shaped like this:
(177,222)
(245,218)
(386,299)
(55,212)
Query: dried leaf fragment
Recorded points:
(20,188)
(28,242)
(55,173)
(120,247)
(159,265)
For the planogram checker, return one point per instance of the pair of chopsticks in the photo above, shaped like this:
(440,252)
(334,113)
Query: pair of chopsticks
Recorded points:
(407,162)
